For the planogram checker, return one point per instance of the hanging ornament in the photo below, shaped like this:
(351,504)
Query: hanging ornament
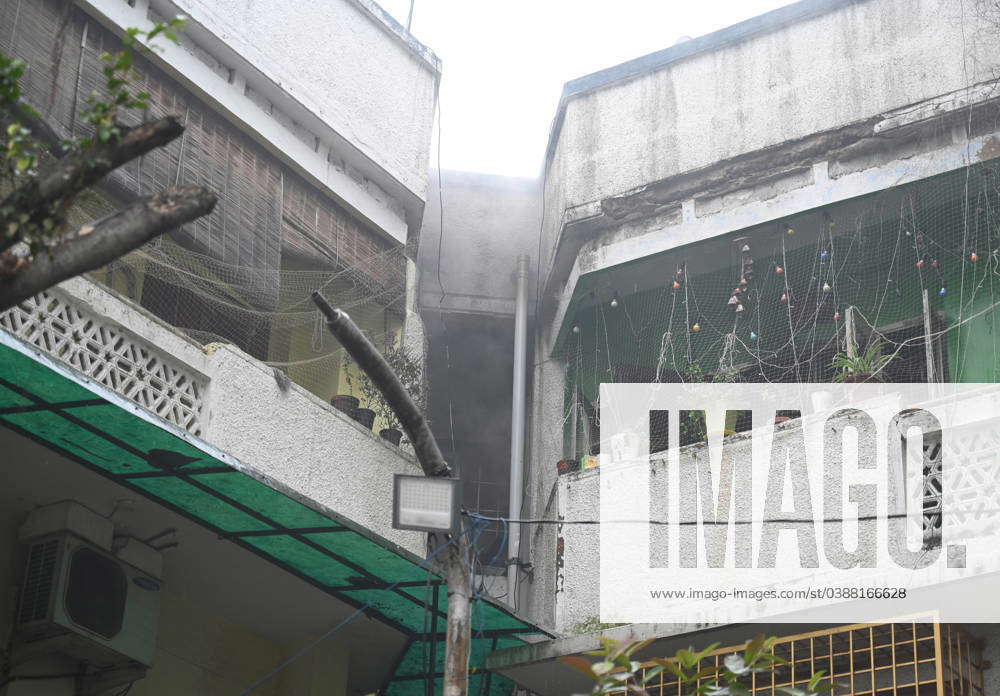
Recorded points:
(920,263)
(784,298)
(779,270)
(576,329)
(836,316)
(943,291)
(614,300)
(935,265)
(745,249)
(733,300)
(753,335)
(680,272)
(826,287)
(790,230)
(824,255)
(677,285)
(696,327)
(739,308)
(743,281)
(973,257)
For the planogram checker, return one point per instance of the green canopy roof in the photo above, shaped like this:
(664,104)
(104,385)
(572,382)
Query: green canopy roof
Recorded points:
(52,404)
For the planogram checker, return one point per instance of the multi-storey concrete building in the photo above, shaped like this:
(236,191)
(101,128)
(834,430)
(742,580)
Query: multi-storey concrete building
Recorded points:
(739,207)
(742,207)
(182,508)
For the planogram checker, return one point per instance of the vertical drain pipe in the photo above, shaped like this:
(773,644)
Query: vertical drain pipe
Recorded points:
(517,422)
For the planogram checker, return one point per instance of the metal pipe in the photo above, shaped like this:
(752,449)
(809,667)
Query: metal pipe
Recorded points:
(518,423)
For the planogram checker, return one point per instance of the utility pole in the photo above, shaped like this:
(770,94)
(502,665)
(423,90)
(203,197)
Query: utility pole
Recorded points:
(458,634)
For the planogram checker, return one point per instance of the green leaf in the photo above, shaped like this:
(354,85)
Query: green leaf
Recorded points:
(754,648)
(651,673)
(738,689)
(602,668)
(792,692)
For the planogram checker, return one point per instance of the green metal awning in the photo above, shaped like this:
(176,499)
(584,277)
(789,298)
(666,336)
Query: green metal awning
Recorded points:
(54,405)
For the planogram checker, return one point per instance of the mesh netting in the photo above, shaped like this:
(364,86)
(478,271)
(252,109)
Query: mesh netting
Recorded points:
(901,286)
(211,301)
(243,274)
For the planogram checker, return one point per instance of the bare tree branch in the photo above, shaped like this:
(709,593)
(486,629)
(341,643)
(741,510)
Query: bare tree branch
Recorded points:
(95,245)
(387,381)
(71,175)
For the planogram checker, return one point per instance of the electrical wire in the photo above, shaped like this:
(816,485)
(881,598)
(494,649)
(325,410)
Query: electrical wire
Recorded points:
(691,523)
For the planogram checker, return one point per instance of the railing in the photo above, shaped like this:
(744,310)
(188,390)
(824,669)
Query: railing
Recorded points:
(104,351)
(891,659)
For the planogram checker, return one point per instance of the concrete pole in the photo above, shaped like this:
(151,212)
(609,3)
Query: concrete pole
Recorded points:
(518,422)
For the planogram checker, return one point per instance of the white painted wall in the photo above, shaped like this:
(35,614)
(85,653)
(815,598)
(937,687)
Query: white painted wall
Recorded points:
(303,443)
(342,61)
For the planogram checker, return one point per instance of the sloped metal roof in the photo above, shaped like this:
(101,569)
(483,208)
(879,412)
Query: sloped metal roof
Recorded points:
(87,423)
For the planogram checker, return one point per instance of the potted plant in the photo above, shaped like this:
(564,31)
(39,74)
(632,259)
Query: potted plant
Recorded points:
(863,367)
(345,403)
(407,367)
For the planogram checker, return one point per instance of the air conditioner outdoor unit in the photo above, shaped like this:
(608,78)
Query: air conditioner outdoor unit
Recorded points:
(80,600)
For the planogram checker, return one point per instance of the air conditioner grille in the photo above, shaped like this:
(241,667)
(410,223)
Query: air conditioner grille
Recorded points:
(96,592)
(38,581)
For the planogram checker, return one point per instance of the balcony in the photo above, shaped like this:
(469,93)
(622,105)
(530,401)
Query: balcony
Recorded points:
(217,393)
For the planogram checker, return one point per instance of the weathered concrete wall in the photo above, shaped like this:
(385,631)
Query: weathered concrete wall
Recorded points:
(540,543)
(488,222)
(843,66)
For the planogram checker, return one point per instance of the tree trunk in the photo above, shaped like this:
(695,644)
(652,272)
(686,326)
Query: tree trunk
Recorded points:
(71,175)
(99,243)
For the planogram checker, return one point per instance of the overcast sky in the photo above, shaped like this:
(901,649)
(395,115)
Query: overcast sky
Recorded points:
(505,62)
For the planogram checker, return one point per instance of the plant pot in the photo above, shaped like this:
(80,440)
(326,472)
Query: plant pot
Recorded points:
(391,435)
(565,466)
(365,416)
(858,377)
(345,403)
(785,416)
